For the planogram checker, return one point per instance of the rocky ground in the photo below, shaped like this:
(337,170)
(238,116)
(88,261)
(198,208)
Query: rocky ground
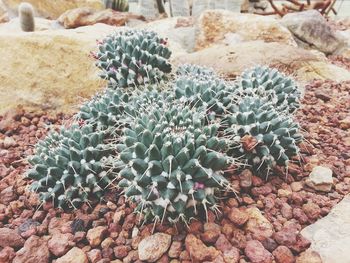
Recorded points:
(261,224)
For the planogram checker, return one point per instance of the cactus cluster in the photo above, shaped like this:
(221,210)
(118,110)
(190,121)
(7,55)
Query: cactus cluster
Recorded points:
(132,58)
(69,166)
(260,135)
(167,139)
(173,163)
(117,5)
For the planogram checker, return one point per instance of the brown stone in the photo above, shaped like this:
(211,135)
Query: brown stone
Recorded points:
(153,247)
(256,252)
(309,256)
(10,238)
(175,249)
(7,254)
(258,225)
(237,216)
(35,250)
(96,235)
(198,251)
(283,254)
(75,255)
(59,244)
(86,16)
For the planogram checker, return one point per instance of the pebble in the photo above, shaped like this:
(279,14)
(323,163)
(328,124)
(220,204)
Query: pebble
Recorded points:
(256,252)
(153,247)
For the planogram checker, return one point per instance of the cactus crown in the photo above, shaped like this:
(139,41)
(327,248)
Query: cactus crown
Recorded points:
(173,163)
(267,82)
(132,58)
(68,167)
(261,135)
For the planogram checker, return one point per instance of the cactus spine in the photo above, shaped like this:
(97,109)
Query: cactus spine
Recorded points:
(26,17)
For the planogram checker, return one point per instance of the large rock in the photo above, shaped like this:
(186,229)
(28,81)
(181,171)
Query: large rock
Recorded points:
(232,60)
(330,236)
(153,247)
(34,251)
(214,25)
(49,70)
(312,28)
(85,16)
(53,9)
(179,31)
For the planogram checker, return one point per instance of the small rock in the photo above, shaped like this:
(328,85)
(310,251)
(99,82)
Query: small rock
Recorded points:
(270,244)
(211,233)
(320,179)
(287,236)
(301,245)
(198,251)
(283,254)
(312,210)
(262,190)
(309,256)
(95,235)
(245,178)
(287,211)
(223,244)
(118,216)
(256,252)
(7,195)
(75,255)
(237,216)
(121,252)
(108,242)
(258,225)
(345,123)
(153,247)
(175,249)
(322,95)
(9,142)
(7,254)
(34,251)
(10,238)
(79,236)
(231,255)
(94,255)
(296,186)
(78,226)
(28,224)
(59,244)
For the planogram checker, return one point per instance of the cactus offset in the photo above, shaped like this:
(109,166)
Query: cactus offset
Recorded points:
(26,17)
(69,167)
(267,82)
(173,164)
(132,58)
(260,135)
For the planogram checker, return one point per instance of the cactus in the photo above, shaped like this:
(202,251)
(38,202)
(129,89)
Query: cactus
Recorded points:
(271,83)
(173,164)
(199,87)
(118,5)
(69,167)
(26,17)
(261,135)
(132,58)
(106,110)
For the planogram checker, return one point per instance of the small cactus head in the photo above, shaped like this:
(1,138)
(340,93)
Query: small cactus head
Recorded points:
(133,58)
(117,5)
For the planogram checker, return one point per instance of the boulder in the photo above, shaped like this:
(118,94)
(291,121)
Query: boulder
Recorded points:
(330,236)
(214,25)
(231,60)
(85,16)
(312,28)
(53,9)
(179,30)
(49,70)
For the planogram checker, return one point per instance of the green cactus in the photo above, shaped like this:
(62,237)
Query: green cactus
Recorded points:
(260,135)
(133,57)
(69,166)
(200,87)
(118,5)
(173,164)
(106,110)
(271,83)
(26,17)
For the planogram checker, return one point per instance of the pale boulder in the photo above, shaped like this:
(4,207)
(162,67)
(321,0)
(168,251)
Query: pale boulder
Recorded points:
(231,60)
(49,70)
(53,9)
(214,25)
